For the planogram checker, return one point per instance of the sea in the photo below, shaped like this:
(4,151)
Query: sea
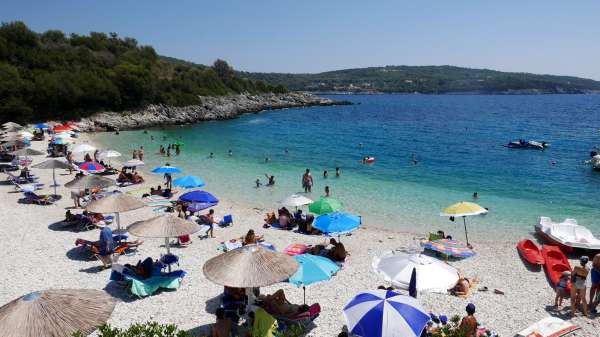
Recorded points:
(430,151)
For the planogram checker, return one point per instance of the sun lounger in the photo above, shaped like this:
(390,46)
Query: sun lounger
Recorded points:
(28,187)
(303,319)
(32,198)
(20,180)
(142,287)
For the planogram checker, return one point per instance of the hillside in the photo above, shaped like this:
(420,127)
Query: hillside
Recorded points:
(428,79)
(49,75)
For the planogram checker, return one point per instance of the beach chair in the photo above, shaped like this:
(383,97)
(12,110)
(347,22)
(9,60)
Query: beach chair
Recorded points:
(28,187)
(20,180)
(304,319)
(32,198)
(227,221)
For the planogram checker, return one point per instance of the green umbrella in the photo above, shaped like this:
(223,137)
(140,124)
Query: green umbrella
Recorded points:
(325,205)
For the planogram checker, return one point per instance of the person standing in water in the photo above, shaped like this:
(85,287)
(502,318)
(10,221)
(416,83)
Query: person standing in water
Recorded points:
(141,153)
(211,155)
(230,153)
(307,181)
(325,174)
(327,194)
(337,172)
(270,180)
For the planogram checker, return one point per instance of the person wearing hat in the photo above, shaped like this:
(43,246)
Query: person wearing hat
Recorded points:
(468,325)
(578,288)
(561,288)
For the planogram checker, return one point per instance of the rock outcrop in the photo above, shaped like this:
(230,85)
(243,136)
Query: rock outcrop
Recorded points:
(209,108)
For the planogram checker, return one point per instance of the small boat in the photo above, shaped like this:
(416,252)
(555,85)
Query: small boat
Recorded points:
(567,234)
(524,144)
(530,252)
(555,263)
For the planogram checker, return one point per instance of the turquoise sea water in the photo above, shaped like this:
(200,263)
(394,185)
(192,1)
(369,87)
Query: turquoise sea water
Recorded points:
(457,140)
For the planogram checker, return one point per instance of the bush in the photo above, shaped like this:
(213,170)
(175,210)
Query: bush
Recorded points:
(148,329)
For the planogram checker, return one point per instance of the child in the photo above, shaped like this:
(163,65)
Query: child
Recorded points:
(561,288)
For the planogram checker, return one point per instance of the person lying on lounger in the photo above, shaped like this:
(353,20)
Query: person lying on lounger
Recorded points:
(463,286)
(276,304)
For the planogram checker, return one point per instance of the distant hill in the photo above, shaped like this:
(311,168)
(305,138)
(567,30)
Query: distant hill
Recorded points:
(427,79)
(52,76)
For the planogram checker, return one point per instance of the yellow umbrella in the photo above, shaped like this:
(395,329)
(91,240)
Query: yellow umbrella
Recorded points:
(463,209)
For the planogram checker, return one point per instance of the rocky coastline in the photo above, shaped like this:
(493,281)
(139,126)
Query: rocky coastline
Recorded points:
(208,108)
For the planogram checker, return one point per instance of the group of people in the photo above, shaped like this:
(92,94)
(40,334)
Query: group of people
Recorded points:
(138,154)
(166,151)
(578,280)
(131,177)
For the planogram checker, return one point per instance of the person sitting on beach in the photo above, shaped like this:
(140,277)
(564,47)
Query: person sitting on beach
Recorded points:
(270,218)
(122,175)
(222,327)
(468,325)
(284,212)
(87,158)
(463,286)
(137,179)
(578,286)
(561,288)
(338,252)
(305,227)
(250,238)
(278,305)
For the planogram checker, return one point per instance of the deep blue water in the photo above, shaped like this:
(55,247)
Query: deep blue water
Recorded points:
(457,139)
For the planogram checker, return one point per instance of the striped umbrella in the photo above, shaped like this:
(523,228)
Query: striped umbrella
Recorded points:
(449,247)
(381,313)
(91,167)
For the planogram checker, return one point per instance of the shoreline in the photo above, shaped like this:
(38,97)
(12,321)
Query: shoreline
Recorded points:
(208,108)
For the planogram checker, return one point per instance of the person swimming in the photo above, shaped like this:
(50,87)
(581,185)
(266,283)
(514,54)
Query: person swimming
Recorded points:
(271,180)
(258,183)
(230,153)
(337,172)
(211,155)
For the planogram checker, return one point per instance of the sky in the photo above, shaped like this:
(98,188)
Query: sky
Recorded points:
(550,37)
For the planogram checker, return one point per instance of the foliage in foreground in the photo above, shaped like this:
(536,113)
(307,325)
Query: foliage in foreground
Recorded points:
(52,76)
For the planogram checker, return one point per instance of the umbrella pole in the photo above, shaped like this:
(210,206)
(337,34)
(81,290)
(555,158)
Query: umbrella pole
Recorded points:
(304,289)
(118,221)
(465,223)
(168,251)
(54,178)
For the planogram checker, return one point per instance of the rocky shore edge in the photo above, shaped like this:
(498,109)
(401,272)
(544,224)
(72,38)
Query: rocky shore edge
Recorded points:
(208,108)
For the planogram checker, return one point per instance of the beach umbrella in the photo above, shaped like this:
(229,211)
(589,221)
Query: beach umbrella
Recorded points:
(463,209)
(337,223)
(296,200)
(41,126)
(325,205)
(188,182)
(28,152)
(412,284)
(449,247)
(56,313)
(61,128)
(166,169)
(90,181)
(115,203)
(199,196)
(81,148)
(53,164)
(63,135)
(61,141)
(249,266)
(382,313)
(26,134)
(163,226)
(11,125)
(312,269)
(109,154)
(133,163)
(432,275)
(91,167)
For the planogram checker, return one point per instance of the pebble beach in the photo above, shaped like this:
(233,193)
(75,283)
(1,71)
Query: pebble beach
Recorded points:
(38,255)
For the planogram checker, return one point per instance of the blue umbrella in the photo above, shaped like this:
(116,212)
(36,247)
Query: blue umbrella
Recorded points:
(337,223)
(188,182)
(59,141)
(199,200)
(312,269)
(166,169)
(381,313)
(41,126)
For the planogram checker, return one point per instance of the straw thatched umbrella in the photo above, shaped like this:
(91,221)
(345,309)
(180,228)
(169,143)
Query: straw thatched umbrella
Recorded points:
(163,226)
(11,125)
(53,164)
(115,203)
(250,266)
(56,313)
(28,152)
(89,182)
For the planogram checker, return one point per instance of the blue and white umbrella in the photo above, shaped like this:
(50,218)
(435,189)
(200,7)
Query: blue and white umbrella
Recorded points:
(337,223)
(381,313)
(166,169)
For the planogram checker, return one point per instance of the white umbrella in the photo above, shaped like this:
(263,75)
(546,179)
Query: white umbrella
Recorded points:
(109,154)
(432,274)
(26,134)
(133,163)
(83,148)
(53,164)
(296,200)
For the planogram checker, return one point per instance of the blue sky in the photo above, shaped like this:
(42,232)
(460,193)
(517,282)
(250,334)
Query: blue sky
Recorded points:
(555,37)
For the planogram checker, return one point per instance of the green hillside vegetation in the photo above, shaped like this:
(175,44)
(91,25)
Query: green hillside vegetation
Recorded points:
(428,79)
(52,76)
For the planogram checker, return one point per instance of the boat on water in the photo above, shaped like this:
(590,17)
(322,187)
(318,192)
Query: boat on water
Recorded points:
(567,234)
(594,161)
(527,144)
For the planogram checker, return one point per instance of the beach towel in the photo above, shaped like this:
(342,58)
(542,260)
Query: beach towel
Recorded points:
(295,249)
(264,325)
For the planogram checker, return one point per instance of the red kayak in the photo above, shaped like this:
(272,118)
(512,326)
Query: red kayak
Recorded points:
(530,252)
(556,264)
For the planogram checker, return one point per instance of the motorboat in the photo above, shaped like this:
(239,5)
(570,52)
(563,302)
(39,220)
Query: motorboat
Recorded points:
(567,234)
(594,161)
(527,144)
